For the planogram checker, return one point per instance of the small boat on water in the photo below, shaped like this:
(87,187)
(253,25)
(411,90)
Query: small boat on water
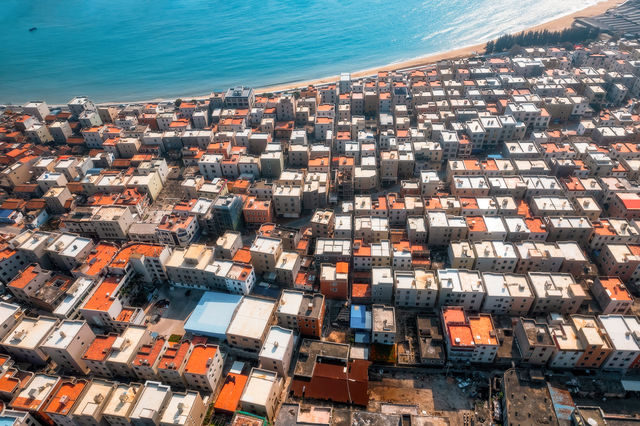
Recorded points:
(33,29)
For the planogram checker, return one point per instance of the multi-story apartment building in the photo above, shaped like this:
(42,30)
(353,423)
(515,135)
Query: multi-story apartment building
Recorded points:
(460,287)
(469,338)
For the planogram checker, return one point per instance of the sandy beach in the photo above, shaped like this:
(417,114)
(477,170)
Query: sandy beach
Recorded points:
(553,25)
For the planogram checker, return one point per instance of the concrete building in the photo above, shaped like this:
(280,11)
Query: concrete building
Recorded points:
(67,343)
(149,406)
(555,293)
(469,338)
(417,288)
(460,287)
(261,393)
(119,405)
(277,351)
(623,332)
(88,409)
(507,294)
(265,252)
(383,327)
(382,285)
(124,349)
(534,340)
(184,409)
(203,368)
(612,295)
(302,312)
(250,324)
(24,341)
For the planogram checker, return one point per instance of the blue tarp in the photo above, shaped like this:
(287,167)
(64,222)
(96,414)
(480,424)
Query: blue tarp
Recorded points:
(360,318)
(213,314)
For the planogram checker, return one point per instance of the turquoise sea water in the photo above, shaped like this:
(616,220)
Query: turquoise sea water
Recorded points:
(123,50)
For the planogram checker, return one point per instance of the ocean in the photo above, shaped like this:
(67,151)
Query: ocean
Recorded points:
(125,50)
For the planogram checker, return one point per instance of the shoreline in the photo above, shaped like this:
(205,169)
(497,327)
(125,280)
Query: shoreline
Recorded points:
(555,24)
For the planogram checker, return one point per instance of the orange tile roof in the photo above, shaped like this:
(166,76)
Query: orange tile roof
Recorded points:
(101,299)
(252,203)
(342,267)
(200,355)
(455,322)
(303,245)
(615,288)
(101,200)
(125,315)
(382,203)
(471,165)
(136,249)
(98,259)
(361,249)
(573,184)
(469,203)
(175,223)
(174,355)
(229,396)
(476,224)
(360,290)
(433,203)
(149,353)
(24,278)
(65,397)
(242,256)
(602,228)
(534,224)
(100,347)
(319,161)
(523,209)
(303,279)
(482,330)
(266,229)
(13,379)
(6,253)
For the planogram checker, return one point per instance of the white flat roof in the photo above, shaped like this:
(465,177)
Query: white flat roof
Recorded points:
(276,343)
(121,400)
(7,310)
(132,335)
(290,302)
(97,389)
(64,334)
(178,414)
(80,288)
(151,400)
(29,332)
(251,318)
(258,387)
(621,330)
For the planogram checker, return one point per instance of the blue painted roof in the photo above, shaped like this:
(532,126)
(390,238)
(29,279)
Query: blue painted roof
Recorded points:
(5,212)
(213,314)
(7,421)
(360,318)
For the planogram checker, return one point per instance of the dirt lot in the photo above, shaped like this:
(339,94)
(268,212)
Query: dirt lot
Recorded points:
(432,394)
(337,337)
